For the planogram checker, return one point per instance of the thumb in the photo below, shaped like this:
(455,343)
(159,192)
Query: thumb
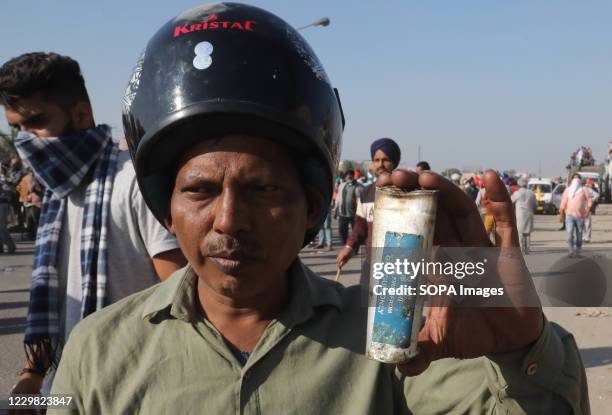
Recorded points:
(421,361)
(506,234)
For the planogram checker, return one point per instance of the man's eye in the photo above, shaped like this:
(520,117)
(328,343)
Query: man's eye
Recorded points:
(37,122)
(202,189)
(264,188)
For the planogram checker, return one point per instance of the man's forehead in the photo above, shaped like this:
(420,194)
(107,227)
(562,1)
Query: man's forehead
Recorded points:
(380,154)
(236,145)
(29,106)
(241,154)
(239,167)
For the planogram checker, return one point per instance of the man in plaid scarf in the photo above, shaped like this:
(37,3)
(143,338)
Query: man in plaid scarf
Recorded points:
(97,242)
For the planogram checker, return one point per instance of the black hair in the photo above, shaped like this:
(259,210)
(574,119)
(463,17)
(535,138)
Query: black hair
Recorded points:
(424,165)
(57,78)
(351,172)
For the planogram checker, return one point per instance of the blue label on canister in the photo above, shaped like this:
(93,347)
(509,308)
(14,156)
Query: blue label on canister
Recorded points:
(394,313)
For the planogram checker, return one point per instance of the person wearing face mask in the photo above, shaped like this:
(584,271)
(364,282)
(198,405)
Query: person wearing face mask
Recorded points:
(97,241)
(576,204)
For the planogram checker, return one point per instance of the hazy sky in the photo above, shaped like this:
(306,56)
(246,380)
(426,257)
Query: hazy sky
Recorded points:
(503,84)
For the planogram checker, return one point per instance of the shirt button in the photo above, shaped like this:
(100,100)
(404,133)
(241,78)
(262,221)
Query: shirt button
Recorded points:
(532,368)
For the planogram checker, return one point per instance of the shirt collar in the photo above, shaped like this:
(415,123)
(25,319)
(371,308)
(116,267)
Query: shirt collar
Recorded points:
(176,297)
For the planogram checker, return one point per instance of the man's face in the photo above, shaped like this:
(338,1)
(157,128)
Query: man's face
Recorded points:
(240,213)
(349,177)
(39,117)
(381,163)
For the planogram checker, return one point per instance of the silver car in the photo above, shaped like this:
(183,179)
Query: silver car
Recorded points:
(556,196)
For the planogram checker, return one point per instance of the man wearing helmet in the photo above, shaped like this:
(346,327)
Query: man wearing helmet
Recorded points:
(237,159)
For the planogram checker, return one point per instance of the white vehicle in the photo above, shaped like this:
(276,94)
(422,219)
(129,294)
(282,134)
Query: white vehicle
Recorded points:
(543,189)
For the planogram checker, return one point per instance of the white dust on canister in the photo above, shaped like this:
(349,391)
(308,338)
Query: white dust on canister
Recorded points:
(403,229)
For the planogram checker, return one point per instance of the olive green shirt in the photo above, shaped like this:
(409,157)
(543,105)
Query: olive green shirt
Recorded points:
(154,353)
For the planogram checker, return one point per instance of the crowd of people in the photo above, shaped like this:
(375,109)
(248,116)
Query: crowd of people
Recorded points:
(353,201)
(582,157)
(168,278)
(577,206)
(20,203)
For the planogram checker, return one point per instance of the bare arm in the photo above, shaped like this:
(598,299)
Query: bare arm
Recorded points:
(359,234)
(165,263)
(563,201)
(589,199)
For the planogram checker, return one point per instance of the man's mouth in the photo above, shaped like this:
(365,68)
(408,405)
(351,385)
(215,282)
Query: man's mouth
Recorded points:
(227,266)
(229,263)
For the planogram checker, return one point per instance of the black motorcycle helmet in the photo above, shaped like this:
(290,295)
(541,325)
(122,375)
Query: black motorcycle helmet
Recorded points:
(229,68)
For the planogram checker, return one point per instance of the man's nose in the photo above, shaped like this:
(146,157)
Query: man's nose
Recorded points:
(232,215)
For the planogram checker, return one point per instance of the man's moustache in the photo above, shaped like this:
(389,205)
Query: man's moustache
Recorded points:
(229,247)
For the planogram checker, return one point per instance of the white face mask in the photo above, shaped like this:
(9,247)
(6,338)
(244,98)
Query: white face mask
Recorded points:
(575,186)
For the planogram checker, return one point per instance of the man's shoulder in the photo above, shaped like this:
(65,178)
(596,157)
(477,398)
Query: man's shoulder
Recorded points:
(125,185)
(125,167)
(345,298)
(126,313)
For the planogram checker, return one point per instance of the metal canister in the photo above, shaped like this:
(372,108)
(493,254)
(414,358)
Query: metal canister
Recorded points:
(403,230)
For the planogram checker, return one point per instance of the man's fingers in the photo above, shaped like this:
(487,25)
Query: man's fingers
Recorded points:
(503,210)
(384,180)
(497,192)
(421,361)
(446,232)
(343,257)
(459,208)
(431,338)
(449,196)
(404,179)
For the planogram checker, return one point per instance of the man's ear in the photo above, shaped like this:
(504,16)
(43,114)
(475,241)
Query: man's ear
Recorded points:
(315,204)
(82,116)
